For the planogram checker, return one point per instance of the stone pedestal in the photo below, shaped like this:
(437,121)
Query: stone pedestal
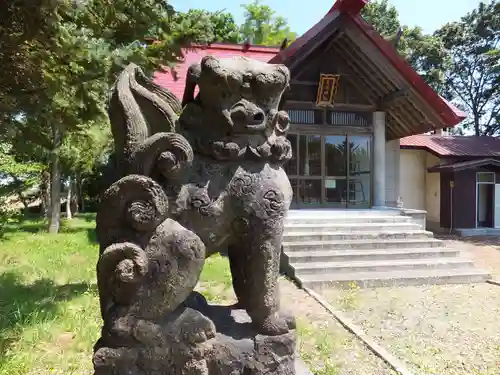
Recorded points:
(199,339)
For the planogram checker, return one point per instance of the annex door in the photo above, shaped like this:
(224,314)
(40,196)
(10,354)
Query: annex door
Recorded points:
(330,171)
(496,213)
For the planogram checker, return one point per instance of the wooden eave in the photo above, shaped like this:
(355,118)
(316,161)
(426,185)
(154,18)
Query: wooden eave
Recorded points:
(464,165)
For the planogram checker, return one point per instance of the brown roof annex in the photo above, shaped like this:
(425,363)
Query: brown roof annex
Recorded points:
(389,82)
(454,146)
(464,165)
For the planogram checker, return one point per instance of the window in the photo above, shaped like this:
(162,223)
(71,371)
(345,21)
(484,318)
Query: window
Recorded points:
(348,118)
(305,116)
(485,177)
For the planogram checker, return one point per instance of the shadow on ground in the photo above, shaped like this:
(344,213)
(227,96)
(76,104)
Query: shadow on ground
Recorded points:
(22,305)
(475,240)
(36,224)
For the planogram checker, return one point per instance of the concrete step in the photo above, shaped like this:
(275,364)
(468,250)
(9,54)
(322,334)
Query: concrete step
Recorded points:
(347,219)
(315,235)
(360,244)
(395,278)
(368,255)
(351,227)
(341,213)
(321,268)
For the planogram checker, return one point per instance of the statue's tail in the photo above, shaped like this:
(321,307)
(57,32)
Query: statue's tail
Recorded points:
(137,109)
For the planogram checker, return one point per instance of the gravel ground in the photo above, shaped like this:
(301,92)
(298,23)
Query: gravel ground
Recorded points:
(484,250)
(324,344)
(435,330)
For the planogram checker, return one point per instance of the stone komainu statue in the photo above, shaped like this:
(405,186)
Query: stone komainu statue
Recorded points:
(192,179)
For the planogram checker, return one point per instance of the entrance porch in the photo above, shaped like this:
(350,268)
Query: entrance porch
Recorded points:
(368,247)
(339,160)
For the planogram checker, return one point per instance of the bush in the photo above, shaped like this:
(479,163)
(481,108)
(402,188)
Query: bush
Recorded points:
(6,215)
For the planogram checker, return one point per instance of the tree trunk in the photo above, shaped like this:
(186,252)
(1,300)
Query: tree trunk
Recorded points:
(82,198)
(69,196)
(45,194)
(55,186)
(77,192)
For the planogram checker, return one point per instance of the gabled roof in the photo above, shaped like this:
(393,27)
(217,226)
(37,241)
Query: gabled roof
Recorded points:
(421,111)
(333,25)
(464,165)
(450,114)
(175,82)
(466,146)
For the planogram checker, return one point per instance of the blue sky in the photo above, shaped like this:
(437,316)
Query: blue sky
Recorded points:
(428,14)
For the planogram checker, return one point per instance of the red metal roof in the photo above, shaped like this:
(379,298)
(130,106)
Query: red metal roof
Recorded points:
(349,6)
(454,145)
(195,54)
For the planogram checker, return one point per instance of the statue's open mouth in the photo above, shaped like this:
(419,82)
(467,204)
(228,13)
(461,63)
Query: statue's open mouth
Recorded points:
(247,118)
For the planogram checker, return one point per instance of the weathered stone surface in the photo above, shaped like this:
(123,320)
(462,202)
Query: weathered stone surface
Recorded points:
(191,182)
(200,339)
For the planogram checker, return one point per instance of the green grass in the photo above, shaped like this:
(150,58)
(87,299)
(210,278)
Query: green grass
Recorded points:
(49,311)
(49,315)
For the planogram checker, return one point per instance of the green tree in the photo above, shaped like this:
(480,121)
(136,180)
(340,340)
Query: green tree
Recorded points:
(472,66)
(263,27)
(25,25)
(80,152)
(17,177)
(88,46)
(220,26)
(424,52)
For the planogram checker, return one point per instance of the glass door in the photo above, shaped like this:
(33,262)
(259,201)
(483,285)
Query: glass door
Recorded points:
(359,171)
(304,170)
(335,170)
(330,170)
(309,183)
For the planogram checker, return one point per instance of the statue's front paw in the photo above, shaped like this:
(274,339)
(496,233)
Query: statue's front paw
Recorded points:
(273,325)
(193,327)
(203,330)
(289,319)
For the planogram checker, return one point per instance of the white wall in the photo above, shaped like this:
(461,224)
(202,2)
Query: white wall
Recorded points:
(419,189)
(412,176)
(392,172)
(432,190)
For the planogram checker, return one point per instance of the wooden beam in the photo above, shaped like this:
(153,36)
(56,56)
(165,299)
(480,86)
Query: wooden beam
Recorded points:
(389,99)
(336,25)
(304,83)
(363,69)
(295,104)
(336,37)
(362,88)
(366,47)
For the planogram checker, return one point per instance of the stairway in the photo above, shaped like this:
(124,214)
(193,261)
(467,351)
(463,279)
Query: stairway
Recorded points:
(371,248)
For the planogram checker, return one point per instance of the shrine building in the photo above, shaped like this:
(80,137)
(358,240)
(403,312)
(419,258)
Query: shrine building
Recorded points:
(352,99)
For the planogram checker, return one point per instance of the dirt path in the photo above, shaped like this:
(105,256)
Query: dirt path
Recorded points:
(445,330)
(324,344)
(484,250)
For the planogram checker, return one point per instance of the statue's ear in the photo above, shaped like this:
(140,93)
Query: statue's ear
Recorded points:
(284,72)
(209,62)
(192,78)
